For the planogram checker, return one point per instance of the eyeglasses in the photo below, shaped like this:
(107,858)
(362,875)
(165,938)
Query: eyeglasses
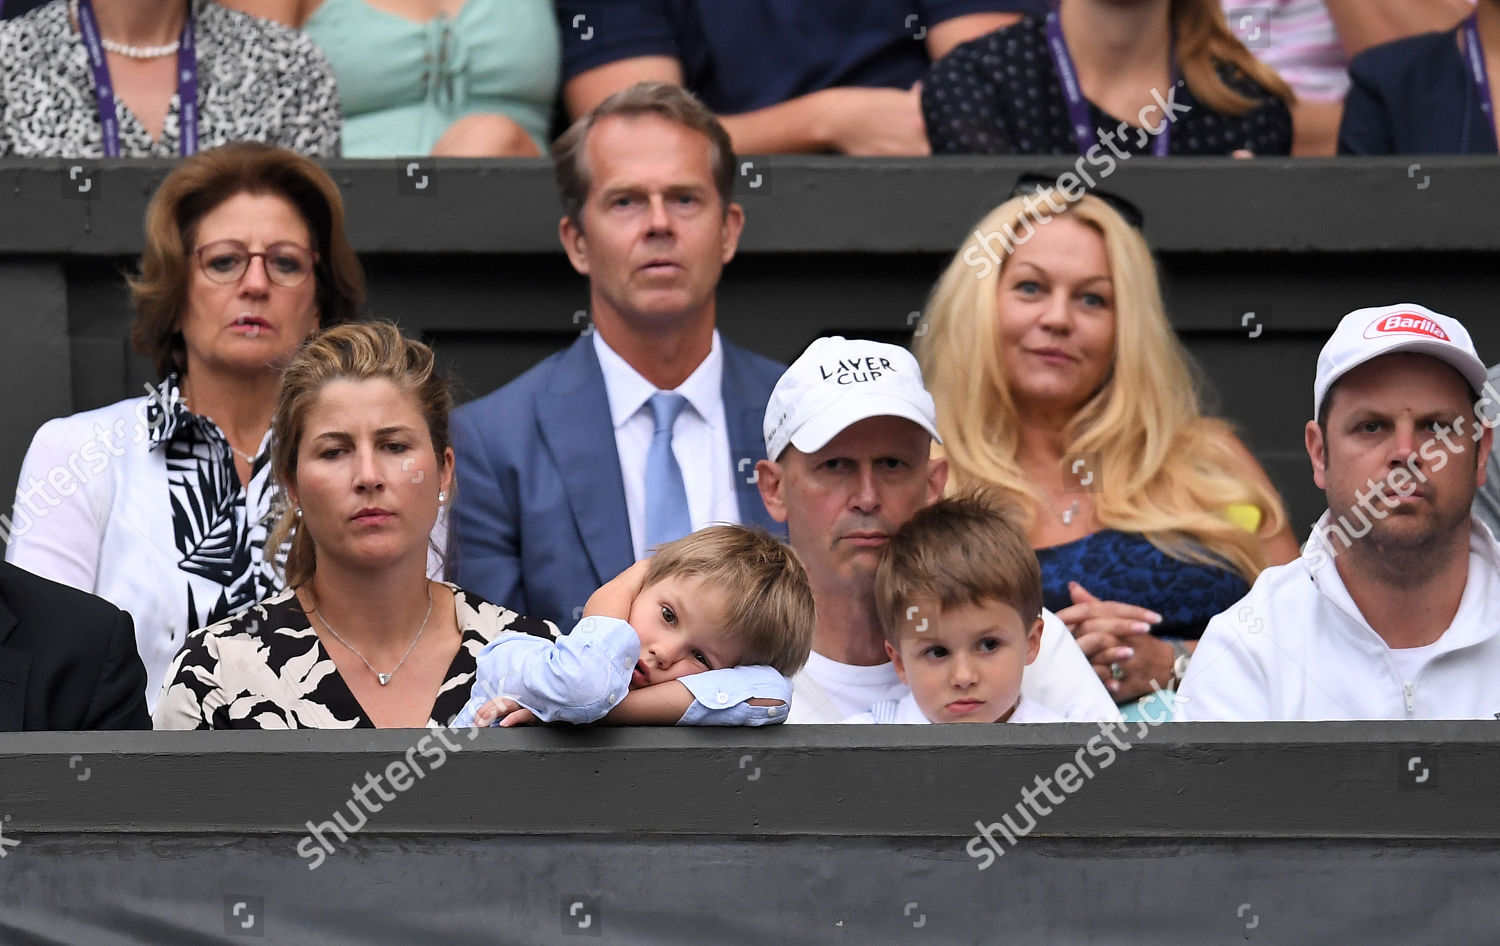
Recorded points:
(225,261)
(1033,183)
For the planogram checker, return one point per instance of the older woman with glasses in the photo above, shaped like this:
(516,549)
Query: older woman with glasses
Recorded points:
(161,504)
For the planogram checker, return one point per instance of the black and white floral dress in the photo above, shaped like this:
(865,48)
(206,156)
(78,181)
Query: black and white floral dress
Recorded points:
(265,668)
(257,81)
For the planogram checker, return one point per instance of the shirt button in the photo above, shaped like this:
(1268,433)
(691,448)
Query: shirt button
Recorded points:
(723,698)
(613,697)
(776,710)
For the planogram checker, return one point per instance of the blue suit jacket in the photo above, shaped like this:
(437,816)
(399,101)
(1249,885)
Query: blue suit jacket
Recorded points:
(540,519)
(1415,96)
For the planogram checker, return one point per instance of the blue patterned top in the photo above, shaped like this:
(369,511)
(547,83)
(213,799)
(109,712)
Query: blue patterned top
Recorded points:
(1124,566)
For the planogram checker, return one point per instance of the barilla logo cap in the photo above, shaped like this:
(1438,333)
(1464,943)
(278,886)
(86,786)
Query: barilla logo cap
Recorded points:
(838,382)
(1366,334)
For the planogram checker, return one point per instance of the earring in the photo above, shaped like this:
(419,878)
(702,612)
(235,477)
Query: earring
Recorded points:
(299,512)
(442,497)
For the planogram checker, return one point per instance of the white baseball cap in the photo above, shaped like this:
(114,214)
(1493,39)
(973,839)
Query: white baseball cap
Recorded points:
(839,381)
(1365,334)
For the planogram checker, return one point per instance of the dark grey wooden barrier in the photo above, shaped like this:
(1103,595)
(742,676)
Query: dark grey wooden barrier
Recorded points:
(1364,833)
(471,262)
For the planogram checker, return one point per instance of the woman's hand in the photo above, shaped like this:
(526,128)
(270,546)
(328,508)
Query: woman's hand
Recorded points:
(1112,633)
(614,599)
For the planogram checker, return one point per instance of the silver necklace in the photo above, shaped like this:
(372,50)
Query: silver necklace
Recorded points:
(383,677)
(1068,514)
(134,52)
(187,402)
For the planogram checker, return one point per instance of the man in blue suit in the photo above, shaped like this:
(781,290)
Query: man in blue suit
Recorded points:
(649,426)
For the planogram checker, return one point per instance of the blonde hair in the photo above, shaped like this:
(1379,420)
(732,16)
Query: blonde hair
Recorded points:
(1164,471)
(357,352)
(1204,41)
(962,550)
(769,600)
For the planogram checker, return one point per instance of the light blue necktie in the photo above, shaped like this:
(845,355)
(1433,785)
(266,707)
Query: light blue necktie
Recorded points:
(666,498)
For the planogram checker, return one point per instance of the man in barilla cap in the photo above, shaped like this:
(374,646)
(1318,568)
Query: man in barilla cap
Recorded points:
(1393,609)
(849,431)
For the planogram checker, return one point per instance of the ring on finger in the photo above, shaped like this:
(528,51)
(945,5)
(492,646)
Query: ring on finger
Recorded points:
(1116,672)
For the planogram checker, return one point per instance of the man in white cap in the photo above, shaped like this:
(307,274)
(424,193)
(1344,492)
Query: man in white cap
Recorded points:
(1393,609)
(849,431)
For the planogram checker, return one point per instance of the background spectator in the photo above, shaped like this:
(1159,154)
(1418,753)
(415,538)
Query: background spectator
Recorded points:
(69,659)
(160,504)
(1309,42)
(251,81)
(1059,84)
(644,429)
(455,78)
(1392,610)
(783,75)
(361,447)
(1428,94)
(10,9)
(1059,381)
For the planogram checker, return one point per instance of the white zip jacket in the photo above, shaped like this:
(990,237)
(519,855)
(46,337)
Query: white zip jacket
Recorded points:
(1297,648)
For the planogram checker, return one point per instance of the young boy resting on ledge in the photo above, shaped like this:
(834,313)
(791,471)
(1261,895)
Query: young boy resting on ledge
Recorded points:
(959,596)
(704,633)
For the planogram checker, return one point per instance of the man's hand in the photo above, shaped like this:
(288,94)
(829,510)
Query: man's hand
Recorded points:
(874,122)
(617,595)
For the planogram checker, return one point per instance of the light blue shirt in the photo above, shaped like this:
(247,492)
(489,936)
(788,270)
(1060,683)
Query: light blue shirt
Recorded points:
(581,676)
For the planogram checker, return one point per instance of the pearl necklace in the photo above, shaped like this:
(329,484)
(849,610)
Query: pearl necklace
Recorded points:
(133,52)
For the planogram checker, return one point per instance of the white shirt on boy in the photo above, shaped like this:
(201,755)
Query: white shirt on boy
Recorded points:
(1061,677)
(906,711)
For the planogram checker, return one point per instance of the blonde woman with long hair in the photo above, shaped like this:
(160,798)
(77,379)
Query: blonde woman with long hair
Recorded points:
(1059,381)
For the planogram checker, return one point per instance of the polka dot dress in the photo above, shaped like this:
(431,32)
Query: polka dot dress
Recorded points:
(999,94)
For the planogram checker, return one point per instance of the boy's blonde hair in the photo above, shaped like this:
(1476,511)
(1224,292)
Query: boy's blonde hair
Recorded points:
(962,550)
(768,599)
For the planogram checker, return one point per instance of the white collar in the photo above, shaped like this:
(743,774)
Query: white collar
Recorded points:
(628,391)
(1477,618)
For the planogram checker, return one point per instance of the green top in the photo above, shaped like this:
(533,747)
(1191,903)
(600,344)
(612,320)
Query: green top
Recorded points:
(402,83)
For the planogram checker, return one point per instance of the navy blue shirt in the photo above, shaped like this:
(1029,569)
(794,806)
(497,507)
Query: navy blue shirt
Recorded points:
(1414,96)
(10,9)
(1001,94)
(1124,566)
(742,55)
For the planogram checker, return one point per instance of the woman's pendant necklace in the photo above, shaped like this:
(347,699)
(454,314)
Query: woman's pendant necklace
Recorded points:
(1068,514)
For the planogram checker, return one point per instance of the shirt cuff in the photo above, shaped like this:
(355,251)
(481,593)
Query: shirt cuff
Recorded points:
(576,678)
(721,697)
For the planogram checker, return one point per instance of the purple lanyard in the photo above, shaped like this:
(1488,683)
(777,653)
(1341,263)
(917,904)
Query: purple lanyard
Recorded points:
(1078,109)
(1476,63)
(104,96)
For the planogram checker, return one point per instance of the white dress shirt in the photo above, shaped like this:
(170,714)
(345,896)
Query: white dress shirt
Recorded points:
(700,439)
